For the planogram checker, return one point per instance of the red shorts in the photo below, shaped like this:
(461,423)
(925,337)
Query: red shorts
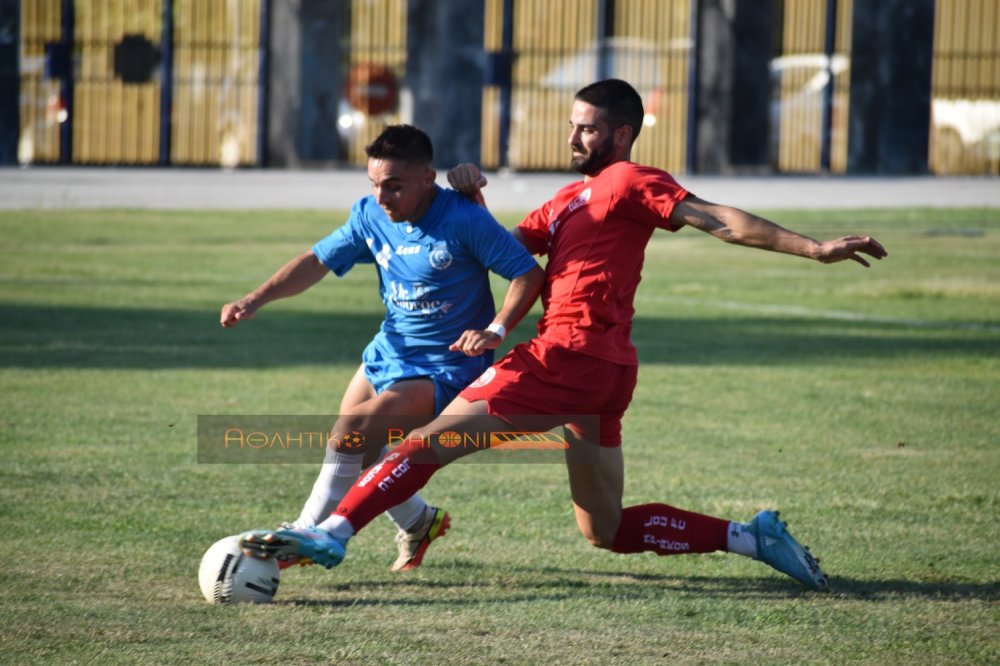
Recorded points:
(535,378)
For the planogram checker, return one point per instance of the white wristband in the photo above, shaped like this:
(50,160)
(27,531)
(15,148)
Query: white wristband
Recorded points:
(498,329)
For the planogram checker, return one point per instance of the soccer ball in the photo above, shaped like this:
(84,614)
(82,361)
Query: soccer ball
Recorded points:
(227,576)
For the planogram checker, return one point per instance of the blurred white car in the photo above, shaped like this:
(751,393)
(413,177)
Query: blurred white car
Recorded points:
(639,61)
(545,84)
(798,92)
(964,133)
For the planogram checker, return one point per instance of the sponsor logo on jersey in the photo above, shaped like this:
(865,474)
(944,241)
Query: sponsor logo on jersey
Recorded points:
(404,250)
(552,229)
(578,201)
(415,299)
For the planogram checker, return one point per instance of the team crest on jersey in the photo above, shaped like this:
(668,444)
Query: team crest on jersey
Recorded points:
(440,257)
(484,378)
(580,200)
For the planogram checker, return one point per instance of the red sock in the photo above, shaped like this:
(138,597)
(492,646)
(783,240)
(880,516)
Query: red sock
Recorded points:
(668,531)
(401,474)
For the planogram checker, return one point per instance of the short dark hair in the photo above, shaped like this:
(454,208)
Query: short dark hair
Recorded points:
(402,142)
(620,102)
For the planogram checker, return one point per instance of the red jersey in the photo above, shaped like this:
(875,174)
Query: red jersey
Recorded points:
(595,234)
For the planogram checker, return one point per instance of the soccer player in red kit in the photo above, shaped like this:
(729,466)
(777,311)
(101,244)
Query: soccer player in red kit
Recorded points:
(583,362)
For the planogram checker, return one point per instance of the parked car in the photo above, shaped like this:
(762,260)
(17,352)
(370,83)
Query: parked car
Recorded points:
(964,133)
(798,95)
(966,136)
(540,102)
(639,61)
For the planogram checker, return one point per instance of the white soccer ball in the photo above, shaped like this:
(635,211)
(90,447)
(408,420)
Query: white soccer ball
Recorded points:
(227,576)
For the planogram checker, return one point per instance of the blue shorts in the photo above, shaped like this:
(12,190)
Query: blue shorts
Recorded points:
(387,362)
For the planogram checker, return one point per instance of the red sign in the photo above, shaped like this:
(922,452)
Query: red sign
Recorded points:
(372,89)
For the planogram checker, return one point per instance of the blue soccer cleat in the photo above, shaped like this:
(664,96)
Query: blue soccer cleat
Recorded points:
(307,543)
(779,549)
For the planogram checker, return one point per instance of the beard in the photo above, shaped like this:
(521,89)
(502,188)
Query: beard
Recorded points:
(590,164)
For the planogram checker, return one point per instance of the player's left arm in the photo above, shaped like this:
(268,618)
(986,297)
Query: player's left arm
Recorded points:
(733,225)
(521,294)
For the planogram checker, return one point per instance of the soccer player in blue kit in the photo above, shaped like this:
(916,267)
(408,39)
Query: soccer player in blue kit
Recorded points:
(433,249)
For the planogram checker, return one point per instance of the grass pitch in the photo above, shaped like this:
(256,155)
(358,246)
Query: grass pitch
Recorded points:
(862,403)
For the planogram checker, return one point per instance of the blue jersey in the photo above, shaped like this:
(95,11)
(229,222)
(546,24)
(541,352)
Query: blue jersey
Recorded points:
(433,275)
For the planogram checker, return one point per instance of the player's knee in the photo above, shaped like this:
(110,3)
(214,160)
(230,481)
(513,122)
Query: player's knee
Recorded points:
(598,537)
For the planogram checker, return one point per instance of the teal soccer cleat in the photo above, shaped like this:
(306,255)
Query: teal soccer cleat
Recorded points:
(308,543)
(779,549)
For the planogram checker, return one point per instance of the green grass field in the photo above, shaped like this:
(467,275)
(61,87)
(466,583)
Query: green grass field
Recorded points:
(865,404)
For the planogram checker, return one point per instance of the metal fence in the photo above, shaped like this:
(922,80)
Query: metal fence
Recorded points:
(810,79)
(215,83)
(92,81)
(41,108)
(555,48)
(374,38)
(115,121)
(180,81)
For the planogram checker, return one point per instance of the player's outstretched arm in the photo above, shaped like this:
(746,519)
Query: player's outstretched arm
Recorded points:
(733,225)
(293,278)
(521,295)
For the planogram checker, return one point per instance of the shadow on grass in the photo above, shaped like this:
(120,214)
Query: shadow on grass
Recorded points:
(74,337)
(526,584)
(65,337)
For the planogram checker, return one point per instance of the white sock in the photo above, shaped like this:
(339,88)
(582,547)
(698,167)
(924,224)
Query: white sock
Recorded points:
(741,541)
(335,478)
(407,513)
(339,528)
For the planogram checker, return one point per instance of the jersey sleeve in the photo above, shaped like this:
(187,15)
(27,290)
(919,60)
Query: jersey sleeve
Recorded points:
(495,247)
(346,246)
(657,193)
(535,229)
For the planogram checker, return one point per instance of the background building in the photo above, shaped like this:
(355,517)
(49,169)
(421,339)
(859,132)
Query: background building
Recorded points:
(730,86)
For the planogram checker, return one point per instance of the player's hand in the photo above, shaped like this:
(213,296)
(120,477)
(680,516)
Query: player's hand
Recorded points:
(469,180)
(848,247)
(236,311)
(474,343)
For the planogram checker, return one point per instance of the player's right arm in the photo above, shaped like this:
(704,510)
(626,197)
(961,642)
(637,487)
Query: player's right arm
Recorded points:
(521,295)
(293,278)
